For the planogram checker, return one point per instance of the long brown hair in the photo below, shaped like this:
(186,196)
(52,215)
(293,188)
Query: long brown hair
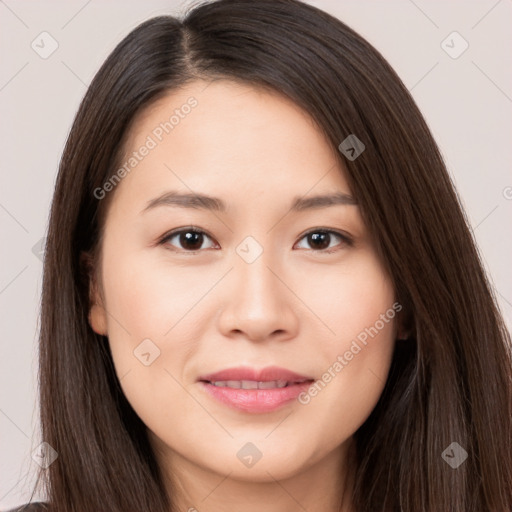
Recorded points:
(449,382)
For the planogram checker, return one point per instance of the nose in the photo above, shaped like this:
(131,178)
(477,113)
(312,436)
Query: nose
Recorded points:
(259,305)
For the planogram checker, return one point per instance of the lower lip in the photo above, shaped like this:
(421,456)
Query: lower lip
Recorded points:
(256,400)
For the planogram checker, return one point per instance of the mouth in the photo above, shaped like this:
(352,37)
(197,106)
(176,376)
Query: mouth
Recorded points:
(252,384)
(246,375)
(256,397)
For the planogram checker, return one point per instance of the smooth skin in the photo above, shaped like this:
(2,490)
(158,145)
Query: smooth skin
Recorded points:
(296,306)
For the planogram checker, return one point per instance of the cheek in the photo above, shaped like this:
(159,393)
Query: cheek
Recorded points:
(359,308)
(151,297)
(349,298)
(153,329)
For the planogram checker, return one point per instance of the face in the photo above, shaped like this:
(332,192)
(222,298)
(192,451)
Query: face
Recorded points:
(244,281)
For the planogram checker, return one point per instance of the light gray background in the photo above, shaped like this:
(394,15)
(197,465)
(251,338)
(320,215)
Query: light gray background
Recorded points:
(466,102)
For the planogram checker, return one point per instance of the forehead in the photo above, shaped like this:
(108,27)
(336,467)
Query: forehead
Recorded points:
(231,140)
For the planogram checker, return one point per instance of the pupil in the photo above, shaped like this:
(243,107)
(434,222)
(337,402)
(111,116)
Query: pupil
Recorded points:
(319,237)
(191,238)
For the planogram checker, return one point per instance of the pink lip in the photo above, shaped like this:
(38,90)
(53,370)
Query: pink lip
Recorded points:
(255,400)
(264,375)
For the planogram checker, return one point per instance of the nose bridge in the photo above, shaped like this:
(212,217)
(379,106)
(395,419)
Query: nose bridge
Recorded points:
(260,302)
(257,284)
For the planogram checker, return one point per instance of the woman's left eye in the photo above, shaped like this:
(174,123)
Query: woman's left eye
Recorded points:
(192,239)
(321,238)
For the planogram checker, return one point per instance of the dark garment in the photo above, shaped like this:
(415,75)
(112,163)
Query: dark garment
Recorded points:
(31,507)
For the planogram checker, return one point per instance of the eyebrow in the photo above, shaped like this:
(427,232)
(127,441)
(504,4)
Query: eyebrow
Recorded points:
(205,202)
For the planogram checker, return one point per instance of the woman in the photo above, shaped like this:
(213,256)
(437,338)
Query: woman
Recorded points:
(260,290)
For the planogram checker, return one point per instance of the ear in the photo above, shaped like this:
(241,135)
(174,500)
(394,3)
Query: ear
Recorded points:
(97,314)
(405,323)
(403,334)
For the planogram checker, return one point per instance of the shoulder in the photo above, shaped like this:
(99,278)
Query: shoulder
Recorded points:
(31,507)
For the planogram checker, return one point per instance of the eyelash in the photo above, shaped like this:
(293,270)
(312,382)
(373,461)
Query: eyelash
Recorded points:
(346,240)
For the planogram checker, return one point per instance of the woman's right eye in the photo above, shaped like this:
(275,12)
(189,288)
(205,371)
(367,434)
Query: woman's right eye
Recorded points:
(191,239)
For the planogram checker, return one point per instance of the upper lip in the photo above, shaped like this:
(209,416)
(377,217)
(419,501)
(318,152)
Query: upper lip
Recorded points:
(268,374)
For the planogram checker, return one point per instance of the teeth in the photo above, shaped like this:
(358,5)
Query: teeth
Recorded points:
(250,384)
